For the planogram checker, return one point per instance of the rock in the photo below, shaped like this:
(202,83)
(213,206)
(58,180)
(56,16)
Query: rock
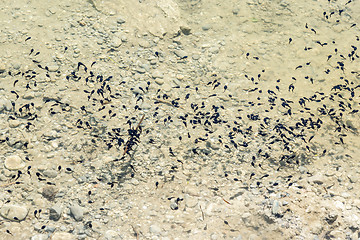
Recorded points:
(63,236)
(339,205)
(29,95)
(238,237)
(40,237)
(53,67)
(50,173)
(157,74)
(159,81)
(174,206)
(246,217)
(331,218)
(206,27)
(196,57)
(192,191)
(5,104)
(120,20)
(235,11)
(353,178)
(14,212)
(49,192)
(185,30)
(180,53)
(143,43)
(111,235)
(317,179)
(190,202)
(77,212)
(116,42)
(55,213)
(14,123)
(275,207)
(14,162)
(155,229)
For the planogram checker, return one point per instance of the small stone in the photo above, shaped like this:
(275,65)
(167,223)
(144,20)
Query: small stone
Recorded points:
(140,70)
(49,192)
(157,74)
(206,27)
(235,11)
(14,212)
(246,217)
(275,207)
(143,43)
(111,235)
(180,53)
(317,179)
(174,206)
(50,173)
(239,237)
(120,20)
(339,205)
(14,123)
(159,81)
(40,237)
(331,218)
(192,191)
(29,95)
(53,67)
(196,57)
(2,67)
(14,162)
(63,236)
(155,229)
(190,202)
(116,42)
(185,30)
(353,178)
(55,213)
(77,212)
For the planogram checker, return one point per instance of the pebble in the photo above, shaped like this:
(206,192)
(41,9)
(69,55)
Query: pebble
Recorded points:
(186,30)
(331,218)
(317,179)
(14,123)
(14,211)
(339,205)
(275,207)
(190,202)
(180,53)
(120,20)
(206,27)
(111,235)
(14,162)
(40,237)
(116,42)
(143,43)
(196,57)
(159,81)
(50,173)
(53,67)
(246,217)
(353,178)
(155,229)
(63,236)
(174,206)
(29,95)
(157,74)
(77,212)
(2,105)
(55,213)
(49,192)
